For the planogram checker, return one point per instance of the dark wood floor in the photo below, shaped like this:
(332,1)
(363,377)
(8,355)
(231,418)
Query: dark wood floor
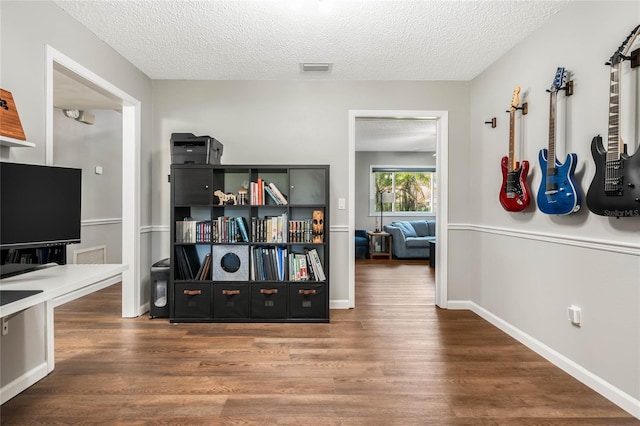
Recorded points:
(394,360)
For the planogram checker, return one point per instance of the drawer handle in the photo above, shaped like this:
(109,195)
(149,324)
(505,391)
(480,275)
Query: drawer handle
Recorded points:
(269,291)
(307,292)
(192,292)
(230,292)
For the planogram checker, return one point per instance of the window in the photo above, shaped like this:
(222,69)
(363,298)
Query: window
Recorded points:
(413,190)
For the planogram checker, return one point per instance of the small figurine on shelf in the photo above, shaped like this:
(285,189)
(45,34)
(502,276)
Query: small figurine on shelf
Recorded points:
(224,199)
(318,226)
(242,196)
(243,193)
(377,228)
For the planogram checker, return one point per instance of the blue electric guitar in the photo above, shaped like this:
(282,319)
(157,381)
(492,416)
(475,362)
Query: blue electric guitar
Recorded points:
(558,193)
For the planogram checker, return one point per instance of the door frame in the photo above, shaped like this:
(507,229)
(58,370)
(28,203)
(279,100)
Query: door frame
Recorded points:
(442,224)
(131,123)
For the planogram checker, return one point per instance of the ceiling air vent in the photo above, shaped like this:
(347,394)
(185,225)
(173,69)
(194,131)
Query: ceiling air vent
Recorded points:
(316,66)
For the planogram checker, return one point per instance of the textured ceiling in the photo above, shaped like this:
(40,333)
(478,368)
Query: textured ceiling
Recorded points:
(268,39)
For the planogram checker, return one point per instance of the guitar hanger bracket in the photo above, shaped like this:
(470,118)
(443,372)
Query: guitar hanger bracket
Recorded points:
(493,122)
(568,88)
(524,108)
(635,58)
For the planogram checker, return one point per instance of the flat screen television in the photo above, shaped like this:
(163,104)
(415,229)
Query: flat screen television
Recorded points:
(39,205)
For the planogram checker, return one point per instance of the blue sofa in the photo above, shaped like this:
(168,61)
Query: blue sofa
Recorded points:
(411,238)
(362,244)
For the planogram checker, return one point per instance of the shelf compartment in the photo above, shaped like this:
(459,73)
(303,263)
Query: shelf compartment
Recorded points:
(230,300)
(268,300)
(192,300)
(308,300)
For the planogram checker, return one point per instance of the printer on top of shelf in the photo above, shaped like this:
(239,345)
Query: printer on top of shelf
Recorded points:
(187,148)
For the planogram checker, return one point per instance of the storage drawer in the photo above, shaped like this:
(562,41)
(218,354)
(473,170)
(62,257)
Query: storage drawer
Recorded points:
(269,300)
(192,300)
(230,300)
(308,300)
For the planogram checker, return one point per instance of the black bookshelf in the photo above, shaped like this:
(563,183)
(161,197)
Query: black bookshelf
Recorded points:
(243,253)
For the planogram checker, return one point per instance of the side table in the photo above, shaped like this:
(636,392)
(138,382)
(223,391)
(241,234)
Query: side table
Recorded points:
(380,244)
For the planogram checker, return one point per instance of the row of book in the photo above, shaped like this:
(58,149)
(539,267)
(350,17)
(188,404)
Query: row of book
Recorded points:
(225,229)
(274,264)
(260,190)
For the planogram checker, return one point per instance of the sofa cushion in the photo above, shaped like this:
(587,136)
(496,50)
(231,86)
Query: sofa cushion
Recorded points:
(418,242)
(432,227)
(406,228)
(362,241)
(421,227)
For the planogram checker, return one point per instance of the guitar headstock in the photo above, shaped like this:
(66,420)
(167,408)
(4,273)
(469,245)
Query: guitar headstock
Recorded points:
(515,100)
(619,55)
(559,80)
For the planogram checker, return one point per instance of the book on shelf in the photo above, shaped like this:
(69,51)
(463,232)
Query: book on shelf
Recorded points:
(227,229)
(243,227)
(272,195)
(188,262)
(203,272)
(301,231)
(316,264)
(268,263)
(280,197)
(306,266)
(193,231)
(257,192)
(271,229)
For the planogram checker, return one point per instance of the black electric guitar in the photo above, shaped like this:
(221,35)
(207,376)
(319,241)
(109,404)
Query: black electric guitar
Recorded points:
(615,189)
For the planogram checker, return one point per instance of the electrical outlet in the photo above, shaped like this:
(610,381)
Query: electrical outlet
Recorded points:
(574,314)
(5,326)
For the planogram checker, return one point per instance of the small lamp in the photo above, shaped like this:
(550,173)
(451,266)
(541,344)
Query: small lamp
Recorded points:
(385,197)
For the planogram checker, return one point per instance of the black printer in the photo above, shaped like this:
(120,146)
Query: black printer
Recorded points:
(187,148)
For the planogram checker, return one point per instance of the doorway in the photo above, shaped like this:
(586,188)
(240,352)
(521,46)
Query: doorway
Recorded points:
(130,107)
(441,122)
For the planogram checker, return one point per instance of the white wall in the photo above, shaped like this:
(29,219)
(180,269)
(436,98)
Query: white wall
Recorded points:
(296,122)
(25,31)
(26,28)
(527,268)
(364,161)
(87,146)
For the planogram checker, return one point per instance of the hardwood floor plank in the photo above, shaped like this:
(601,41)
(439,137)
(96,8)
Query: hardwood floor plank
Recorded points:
(394,360)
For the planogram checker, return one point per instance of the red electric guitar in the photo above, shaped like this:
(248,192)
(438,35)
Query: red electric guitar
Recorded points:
(514,193)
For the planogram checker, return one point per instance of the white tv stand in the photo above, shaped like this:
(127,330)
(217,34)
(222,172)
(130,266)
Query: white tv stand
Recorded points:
(26,341)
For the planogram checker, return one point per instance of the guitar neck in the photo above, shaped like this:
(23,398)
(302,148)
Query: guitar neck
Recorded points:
(512,130)
(613,144)
(551,154)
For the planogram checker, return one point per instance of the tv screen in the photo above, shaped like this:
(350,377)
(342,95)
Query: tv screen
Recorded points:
(39,205)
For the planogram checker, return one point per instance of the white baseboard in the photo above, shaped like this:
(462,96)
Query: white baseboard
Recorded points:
(598,384)
(144,309)
(23,382)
